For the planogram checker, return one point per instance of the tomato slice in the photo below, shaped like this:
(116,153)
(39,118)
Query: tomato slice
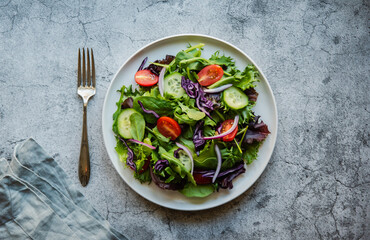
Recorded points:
(226,125)
(210,75)
(168,127)
(199,179)
(146,78)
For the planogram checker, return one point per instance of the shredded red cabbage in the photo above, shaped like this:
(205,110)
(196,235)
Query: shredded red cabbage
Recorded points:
(130,155)
(161,165)
(194,90)
(215,98)
(257,131)
(198,140)
(227,182)
(224,178)
(143,64)
(190,87)
(147,111)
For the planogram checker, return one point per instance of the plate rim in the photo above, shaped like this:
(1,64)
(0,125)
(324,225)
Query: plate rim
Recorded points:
(274,137)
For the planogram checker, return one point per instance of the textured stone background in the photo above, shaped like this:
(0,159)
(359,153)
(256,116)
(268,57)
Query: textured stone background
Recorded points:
(314,53)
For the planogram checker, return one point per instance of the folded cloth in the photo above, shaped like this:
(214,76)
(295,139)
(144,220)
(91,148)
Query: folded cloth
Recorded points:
(50,187)
(24,215)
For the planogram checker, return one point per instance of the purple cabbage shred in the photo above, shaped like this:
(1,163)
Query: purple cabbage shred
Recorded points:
(161,165)
(215,98)
(198,140)
(190,87)
(227,182)
(194,90)
(224,178)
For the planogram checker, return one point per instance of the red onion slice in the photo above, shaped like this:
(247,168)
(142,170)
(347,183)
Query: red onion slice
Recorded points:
(219,162)
(141,143)
(219,89)
(189,154)
(235,124)
(160,81)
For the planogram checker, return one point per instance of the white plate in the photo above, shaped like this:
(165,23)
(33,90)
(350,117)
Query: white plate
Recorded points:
(266,107)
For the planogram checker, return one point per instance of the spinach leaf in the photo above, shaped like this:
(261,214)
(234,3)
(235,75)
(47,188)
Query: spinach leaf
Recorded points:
(191,190)
(207,157)
(137,126)
(160,106)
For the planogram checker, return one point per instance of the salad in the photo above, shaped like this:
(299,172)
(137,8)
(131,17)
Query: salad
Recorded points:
(189,126)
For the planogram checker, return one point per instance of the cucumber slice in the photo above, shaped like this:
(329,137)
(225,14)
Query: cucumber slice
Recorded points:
(235,98)
(172,85)
(185,160)
(124,124)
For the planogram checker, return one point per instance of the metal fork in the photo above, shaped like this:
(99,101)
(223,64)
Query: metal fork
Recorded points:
(86,89)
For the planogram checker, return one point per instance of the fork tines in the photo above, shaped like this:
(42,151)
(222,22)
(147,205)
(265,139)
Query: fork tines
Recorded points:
(87,76)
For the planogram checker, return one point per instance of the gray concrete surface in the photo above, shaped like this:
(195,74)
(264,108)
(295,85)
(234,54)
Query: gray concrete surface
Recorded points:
(314,53)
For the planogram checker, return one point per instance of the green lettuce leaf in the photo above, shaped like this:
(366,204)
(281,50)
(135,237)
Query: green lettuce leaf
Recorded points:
(160,106)
(200,191)
(137,126)
(250,152)
(143,177)
(176,165)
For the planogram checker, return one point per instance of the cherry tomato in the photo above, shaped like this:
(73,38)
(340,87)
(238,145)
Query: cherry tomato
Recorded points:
(210,75)
(146,78)
(168,127)
(226,125)
(199,179)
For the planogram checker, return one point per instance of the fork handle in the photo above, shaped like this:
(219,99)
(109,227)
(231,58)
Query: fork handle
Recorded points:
(84,162)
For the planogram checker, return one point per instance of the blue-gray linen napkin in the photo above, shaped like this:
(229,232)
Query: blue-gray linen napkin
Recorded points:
(38,201)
